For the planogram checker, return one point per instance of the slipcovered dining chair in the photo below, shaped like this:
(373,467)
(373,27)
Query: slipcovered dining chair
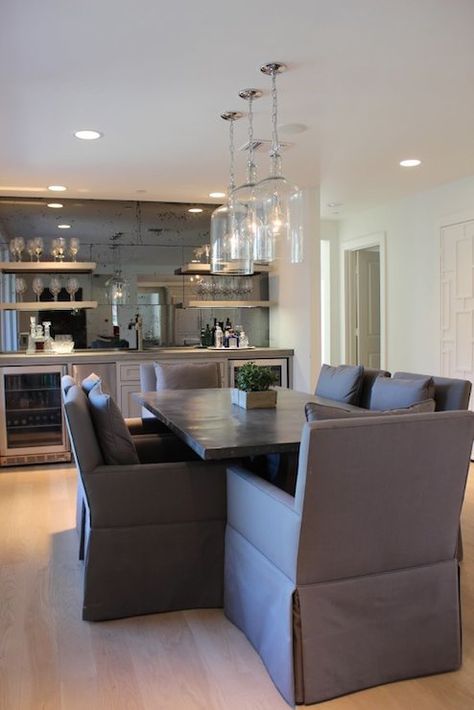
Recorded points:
(154,532)
(354,581)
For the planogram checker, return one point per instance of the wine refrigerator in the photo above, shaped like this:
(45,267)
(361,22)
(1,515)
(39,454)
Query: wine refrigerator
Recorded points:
(32,427)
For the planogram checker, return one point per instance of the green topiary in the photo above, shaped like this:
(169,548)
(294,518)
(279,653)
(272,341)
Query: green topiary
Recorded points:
(255,378)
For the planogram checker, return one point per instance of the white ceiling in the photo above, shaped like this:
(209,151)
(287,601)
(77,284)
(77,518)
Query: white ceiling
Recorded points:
(375,81)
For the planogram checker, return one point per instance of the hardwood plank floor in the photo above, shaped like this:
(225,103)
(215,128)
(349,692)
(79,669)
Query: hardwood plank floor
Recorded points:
(195,660)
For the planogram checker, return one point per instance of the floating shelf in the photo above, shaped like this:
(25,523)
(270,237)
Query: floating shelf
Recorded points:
(229,304)
(48,305)
(49,267)
(193,269)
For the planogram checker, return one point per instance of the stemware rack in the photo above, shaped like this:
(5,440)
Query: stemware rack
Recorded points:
(50,267)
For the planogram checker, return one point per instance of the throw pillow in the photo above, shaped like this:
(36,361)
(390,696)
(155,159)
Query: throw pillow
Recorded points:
(111,431)
(397,394)
(89,382)
(342,383)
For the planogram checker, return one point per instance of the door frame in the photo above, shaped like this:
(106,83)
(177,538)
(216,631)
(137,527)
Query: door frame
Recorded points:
(377,239)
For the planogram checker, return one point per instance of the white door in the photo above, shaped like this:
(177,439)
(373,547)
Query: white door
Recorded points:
(457,301)
(368,307)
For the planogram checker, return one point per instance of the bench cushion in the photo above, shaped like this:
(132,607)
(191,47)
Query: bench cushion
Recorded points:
(318,412)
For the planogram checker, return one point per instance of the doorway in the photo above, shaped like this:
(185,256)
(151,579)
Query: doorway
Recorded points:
(364,326)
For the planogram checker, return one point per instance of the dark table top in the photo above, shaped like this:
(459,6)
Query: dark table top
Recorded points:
(215,428)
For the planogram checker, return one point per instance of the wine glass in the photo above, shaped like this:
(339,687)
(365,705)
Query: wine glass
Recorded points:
(20,287)
(60,248)
(74,247)
(72,286)
(12,247)
(54,248)
(38,242)
(55,287)
(38,287)
(30,247)
(20,245)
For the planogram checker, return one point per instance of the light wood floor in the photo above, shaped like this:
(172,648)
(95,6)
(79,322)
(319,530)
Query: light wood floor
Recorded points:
(51,660)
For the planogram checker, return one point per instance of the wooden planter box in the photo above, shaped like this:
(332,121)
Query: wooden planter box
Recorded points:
(254,400)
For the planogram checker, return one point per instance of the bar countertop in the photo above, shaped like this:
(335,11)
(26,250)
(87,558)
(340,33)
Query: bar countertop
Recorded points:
(116,355)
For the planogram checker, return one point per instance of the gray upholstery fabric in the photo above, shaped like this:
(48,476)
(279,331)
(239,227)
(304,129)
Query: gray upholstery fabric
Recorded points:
(153,534)
(449,393)
(374,596)
(162,448)
(186,375)
(396,394)
(111,431)
(318,412)
(341,383)
(84,443)
(89,382)
(368,379)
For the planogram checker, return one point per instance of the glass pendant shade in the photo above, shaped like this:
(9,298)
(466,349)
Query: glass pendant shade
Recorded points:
(231,251)
(117,289)
(231,248)
(280,199)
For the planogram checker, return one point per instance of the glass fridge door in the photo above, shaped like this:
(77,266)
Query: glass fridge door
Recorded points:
(33,416)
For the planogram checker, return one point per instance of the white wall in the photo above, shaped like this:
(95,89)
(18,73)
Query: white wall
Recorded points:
(412,229)
(330,232)
(295,321)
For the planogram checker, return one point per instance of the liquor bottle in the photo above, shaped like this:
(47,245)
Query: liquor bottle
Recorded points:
(219,342)
(207,336)
(213,333)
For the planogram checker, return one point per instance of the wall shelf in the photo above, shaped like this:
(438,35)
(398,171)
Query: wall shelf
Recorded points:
(48,305)
(193,269)
(49,267)
(229,304)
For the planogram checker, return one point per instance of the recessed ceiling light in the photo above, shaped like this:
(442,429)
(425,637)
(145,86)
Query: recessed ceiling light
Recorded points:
(55,205)
(292,129)
(64,226)
(410,163)
(57,188)
(88,135)
(195,210)
(217,195)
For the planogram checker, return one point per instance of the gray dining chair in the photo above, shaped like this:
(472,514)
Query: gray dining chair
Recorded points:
(354,581)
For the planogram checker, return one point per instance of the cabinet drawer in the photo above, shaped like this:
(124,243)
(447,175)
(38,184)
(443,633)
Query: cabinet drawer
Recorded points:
(129,372)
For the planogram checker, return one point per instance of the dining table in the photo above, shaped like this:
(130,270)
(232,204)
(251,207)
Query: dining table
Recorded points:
(215,428)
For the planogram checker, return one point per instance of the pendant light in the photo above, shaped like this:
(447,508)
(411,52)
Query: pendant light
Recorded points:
(280,199)
(231,251)
(252,226)
(117,286)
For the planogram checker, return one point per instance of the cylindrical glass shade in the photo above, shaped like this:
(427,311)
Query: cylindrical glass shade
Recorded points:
(231,251)
(117,290)
(281,209)
(252,227)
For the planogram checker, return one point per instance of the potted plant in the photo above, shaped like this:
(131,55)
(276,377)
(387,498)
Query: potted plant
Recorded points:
(253,382)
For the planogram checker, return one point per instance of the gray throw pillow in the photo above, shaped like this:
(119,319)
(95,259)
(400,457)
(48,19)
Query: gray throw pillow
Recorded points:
(111,431)
(89,382)
(320,412)
(67,382)
(171,376)
(342,383)
(397,394)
